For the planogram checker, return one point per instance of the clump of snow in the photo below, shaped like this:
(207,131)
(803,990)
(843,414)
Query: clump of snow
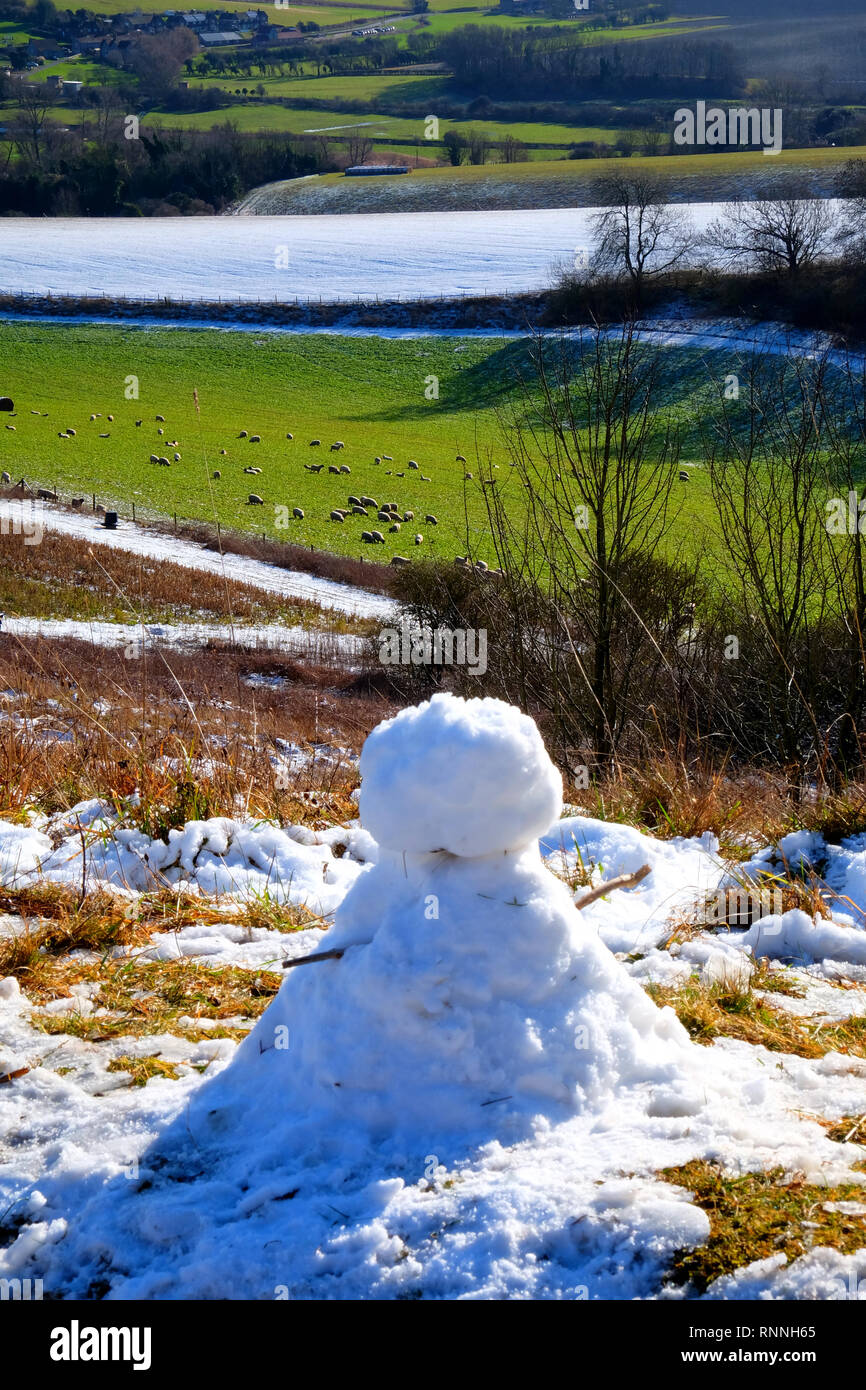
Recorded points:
(470,999)
(468,776)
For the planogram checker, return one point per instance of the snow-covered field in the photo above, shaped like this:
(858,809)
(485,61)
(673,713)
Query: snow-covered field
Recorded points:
(332,258)
(473,1101)
(138,540)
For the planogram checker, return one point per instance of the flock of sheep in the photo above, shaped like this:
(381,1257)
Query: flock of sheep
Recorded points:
(390,514)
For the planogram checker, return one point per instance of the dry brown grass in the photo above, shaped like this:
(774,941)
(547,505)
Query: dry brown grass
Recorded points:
(716,1011)
(144,997)
(65,577)
(187,732)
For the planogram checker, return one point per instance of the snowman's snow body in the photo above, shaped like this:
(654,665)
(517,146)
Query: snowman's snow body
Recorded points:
(471,998)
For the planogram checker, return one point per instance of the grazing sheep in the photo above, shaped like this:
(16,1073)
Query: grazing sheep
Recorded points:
(344,468)
(93,417)
(255,501)
(684,477)
(164,463)
(290,436)
(111,417)
(391,507)
(316,467)
(338,444)
(223,452)
(431,520)
(360,511)
(36,412)
(399,475)
(46,495)
(160,431)
(462,561)
(298,514)
(61,434)
(418,539)
(383,515)
(77,502)
(377,460)
(160,419)
(367,537)
(154,458)
(11,427)
(177,458)
(255,439)
(369,502)
(315,443)
(387,472)
(252,470)
(467,477)
(460,459)
(5,477)
(70,433)
(377,537)
(138,424)
(426,480)
(408,516)
(412,464)
(332,468)
(337,516)
(482,565)
(400,560)
(216,474)
(105,436)
(387,458)
(354,501)
(395,527)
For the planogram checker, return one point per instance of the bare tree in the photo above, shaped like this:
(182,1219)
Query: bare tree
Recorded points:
(639,232)
(359,147)
(577,526)
(768,478)
(783,234)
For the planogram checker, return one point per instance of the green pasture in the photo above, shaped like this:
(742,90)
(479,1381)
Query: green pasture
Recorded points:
(368,392)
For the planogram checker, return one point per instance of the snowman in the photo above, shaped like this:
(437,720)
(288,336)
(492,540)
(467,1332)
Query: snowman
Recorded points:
(459,995)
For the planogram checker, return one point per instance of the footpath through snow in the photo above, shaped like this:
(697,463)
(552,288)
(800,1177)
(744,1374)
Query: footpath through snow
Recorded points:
(471,1100)
(138,540)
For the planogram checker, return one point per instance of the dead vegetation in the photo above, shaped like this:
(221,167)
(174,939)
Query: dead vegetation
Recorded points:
(723,1010)
(762,1214)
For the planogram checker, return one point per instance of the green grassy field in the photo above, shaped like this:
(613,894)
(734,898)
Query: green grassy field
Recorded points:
(368,392)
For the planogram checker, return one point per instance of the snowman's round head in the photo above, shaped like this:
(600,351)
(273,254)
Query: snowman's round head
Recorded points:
(467,776)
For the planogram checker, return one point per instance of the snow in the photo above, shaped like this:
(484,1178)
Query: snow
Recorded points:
(137,540)
(474,1100)
(326,257)
(470,777)
(263,636)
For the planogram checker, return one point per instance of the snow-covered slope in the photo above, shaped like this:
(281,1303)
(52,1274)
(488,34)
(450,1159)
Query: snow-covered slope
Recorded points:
(472,1101)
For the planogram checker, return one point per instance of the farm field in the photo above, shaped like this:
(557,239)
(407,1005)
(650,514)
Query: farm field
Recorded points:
(539,183)
(367,392)
(312,120)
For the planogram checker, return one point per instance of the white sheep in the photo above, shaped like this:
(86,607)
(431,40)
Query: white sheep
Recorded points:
(254,500)
(298,514)
(431,520)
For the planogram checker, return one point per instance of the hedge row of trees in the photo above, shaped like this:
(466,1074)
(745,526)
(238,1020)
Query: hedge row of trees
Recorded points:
(100,173)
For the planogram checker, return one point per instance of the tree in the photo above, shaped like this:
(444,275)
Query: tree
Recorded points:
(360,147)
(638,232)
(780,234)
(513,150)
(456,145)
(588,599)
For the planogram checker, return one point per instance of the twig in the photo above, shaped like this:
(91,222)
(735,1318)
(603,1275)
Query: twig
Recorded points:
(317,955)
(624,881)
